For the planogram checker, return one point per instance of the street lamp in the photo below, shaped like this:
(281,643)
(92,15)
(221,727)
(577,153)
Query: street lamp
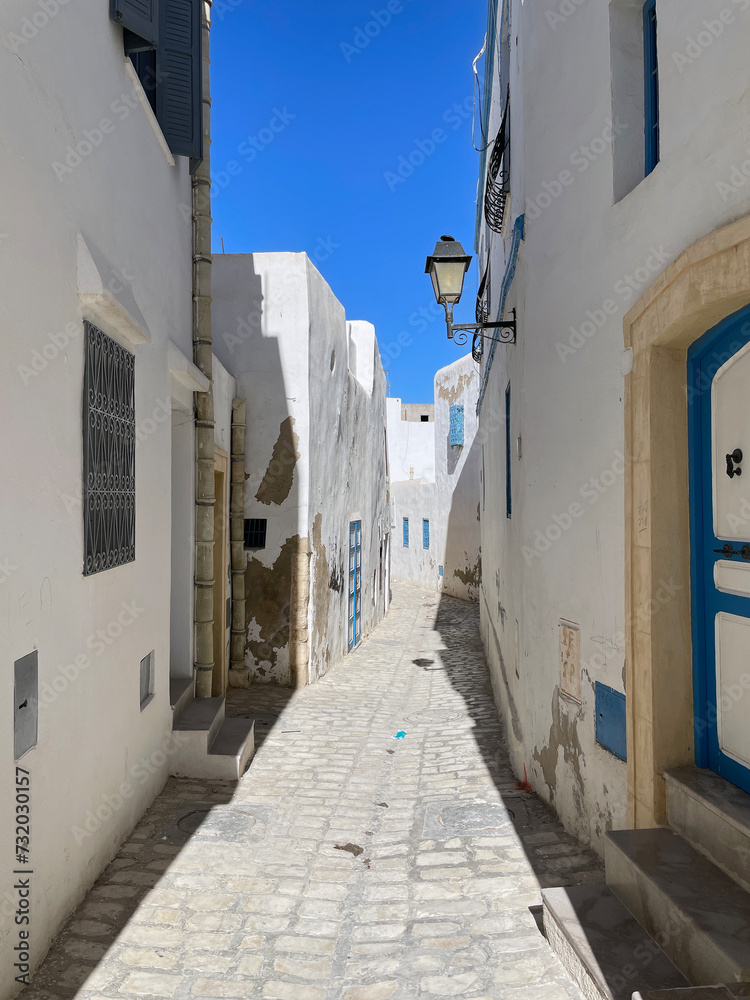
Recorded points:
(447,268)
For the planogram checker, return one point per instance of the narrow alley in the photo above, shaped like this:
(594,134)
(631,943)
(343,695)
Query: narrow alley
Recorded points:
(378,847)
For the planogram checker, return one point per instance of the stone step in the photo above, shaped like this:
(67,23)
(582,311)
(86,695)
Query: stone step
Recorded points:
(202,715)
(603,947)
(193,733)
(180,694)
(713,816)
(234,746)
(699,916)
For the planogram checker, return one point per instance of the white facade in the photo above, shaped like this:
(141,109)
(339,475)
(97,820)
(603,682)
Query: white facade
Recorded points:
(597,235)
(315,460)
(444,489)
(95,226)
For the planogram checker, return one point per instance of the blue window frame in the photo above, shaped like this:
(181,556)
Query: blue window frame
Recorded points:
(425,533)
(651,82)
(457,424)
(406,532)
(508,492)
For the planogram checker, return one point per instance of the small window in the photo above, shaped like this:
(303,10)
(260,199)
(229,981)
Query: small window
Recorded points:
(425,533)
(255,532)
(508,491)
(147,679)
(424,419)
(406,532)
(651,74)
(456,424)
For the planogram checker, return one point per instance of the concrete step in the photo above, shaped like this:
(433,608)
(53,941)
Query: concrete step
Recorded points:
(180,693)
(603,947)
(699,916)
(713,816)
(234,746)
(194,732)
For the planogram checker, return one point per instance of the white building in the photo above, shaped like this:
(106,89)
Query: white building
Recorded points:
(435,485)
(315,501)
(101,270)
(613,217)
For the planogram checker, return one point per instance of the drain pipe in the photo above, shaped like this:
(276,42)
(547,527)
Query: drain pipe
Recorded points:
(237,538)
(205,498)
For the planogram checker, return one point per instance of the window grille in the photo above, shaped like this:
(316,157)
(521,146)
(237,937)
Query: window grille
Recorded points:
(456,424)
(406,532)
(425,533)
(498,174)
(108,453)
(255,532)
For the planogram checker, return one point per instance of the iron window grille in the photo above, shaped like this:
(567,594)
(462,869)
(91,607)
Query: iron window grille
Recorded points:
(498,174)
(255,532)
(108,453)
(456,424)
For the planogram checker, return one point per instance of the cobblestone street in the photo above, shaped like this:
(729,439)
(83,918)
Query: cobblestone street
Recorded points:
(347,863)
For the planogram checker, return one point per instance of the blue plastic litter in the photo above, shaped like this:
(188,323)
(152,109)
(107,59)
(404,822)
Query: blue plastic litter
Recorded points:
(399,735)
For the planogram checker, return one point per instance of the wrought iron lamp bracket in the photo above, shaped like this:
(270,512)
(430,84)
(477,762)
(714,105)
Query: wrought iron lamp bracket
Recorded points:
(506,329)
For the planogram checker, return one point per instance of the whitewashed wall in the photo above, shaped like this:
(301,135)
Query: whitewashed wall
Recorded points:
(124,195)
(411,446)
(585,260)
(279,328)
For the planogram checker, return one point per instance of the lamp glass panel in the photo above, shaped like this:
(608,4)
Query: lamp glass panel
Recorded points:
(449,278)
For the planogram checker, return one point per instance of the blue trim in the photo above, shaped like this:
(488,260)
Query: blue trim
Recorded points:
(510,270)
(425,533)
(611,715)
(355,584)
(406,532)
(456,421)
(705,357)
(508,490)
(651,85)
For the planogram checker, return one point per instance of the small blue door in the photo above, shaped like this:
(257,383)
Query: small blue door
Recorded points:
(355,583)
(719,435)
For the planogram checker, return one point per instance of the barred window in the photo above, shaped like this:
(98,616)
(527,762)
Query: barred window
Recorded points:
(255,532)
(108,453)
(456,424)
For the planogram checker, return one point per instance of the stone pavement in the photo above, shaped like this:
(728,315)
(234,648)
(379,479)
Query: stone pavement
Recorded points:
(347,864)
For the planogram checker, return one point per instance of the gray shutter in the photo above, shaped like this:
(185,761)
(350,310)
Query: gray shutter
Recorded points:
(178,76)
(140,19)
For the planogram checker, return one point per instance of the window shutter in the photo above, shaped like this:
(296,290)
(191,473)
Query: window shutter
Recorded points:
(140,19)
(178,75)
(406,532)
(425,533)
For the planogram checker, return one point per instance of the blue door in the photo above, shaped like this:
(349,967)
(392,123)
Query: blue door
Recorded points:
(719,434)
(355,583)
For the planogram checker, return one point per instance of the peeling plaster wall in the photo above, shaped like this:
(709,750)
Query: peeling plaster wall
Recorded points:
(585,260)
(315,458)
(126,199)
(261,323)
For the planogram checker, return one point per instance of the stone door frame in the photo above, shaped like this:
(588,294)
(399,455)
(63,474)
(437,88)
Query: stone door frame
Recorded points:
(706,283)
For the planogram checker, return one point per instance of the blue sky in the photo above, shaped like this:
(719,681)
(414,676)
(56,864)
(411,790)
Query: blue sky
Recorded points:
(316,111)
